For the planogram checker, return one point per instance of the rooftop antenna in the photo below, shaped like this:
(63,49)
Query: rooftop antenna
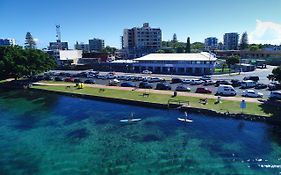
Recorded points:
(58,36)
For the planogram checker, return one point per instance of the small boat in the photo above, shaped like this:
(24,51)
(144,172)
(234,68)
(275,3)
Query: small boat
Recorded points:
(131,119)
(185,119)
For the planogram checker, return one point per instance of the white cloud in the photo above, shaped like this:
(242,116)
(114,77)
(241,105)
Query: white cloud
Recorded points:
(36,40)
(266,33)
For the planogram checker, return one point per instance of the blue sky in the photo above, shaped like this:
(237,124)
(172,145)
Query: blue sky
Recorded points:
(106,19)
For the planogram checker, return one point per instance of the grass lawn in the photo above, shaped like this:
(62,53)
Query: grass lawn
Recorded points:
(219,70)
(231,106)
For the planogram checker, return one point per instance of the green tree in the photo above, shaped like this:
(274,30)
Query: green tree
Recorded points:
(16,62)
(255,47)
(276,74)
(187,47)
(231,60)
(29,41)
(197,47)
(244,41)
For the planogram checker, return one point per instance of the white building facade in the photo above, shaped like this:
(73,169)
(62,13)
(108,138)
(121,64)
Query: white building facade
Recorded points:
(177,63)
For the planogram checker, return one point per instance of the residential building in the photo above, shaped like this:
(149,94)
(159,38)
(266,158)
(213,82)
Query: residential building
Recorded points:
(177,63)
(7,42)
(96,45)
(211,43)
(58,45)
(230,41)
(141,41)
(84,47)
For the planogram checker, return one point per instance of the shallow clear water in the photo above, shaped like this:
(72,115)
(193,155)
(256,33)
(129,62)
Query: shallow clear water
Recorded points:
(44,133)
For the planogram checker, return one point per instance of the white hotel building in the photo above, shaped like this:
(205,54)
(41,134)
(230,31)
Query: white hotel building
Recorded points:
(177,63)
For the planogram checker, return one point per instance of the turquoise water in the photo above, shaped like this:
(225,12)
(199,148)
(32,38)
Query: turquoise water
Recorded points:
(52,134)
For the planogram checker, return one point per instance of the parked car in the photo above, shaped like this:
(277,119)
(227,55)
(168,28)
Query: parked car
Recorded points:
(68,79)
(252,93)
(226,90)
(209,82)
(89,81)
(48,78)
(260,86)
(145,85)
(128,84)
(183,88)
(58,79)
(113,82)
(176,80)
(222,82)
(196,82)
(248,84)
(146,72)
(163,86)
(203,90)
(235,83)
(77,80)
(155,79)
(253,78)
(275,95)
(186,81)
(274,86)
(205,77)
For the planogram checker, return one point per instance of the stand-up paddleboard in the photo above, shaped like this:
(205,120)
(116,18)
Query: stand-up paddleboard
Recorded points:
(185,119)
(130,119)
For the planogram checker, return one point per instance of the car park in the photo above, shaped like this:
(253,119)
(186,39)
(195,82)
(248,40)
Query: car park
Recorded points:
(145,85)
(203,90)
(248,84)
(128,84)
(176,80)
(163,86)
(226,90)
(89,81)
(146,72)
(252,93)
(182,88)
(275,95)
(260,86)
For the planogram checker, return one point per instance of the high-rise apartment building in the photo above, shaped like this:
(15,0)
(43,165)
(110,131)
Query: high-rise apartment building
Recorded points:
(7,42)
(211,43)
(96,45)
(141,41)
(230,41)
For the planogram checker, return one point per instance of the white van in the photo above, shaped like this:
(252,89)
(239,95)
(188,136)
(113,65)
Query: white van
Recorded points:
(248,84)
(226,90)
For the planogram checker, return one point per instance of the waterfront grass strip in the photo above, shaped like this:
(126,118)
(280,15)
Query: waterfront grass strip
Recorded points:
(225,106)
